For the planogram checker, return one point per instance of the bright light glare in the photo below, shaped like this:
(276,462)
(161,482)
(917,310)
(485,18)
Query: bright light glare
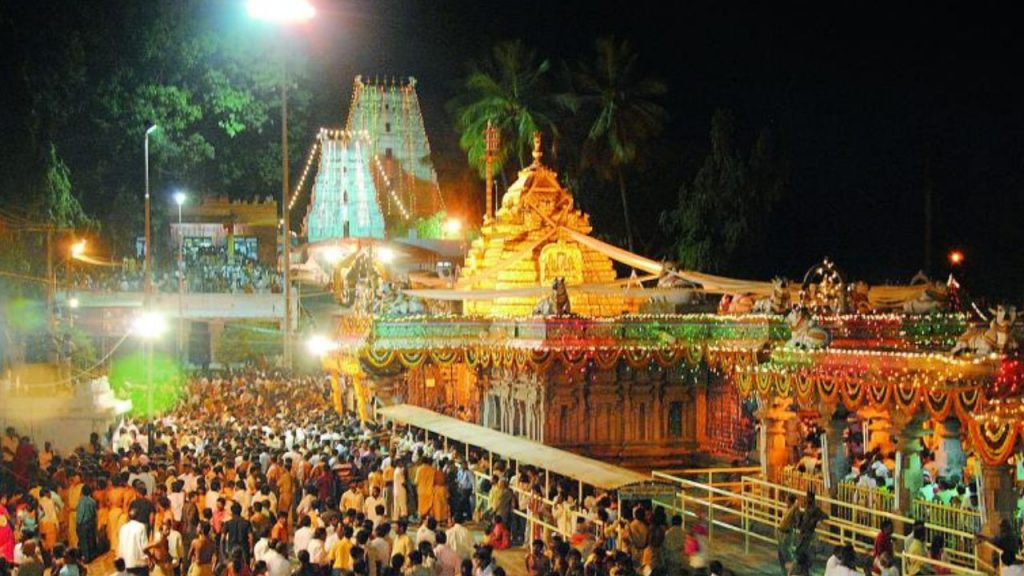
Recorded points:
(385,255)
(453,226)
(179,198)
(956,257)
(73,303)
(78,249)
(319,345)
(149,325)
(333,255)
(284,11)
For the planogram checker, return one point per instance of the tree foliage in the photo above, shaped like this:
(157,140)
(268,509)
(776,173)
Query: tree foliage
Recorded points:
(721,222)
(514,90)
(621,113)
(94,80)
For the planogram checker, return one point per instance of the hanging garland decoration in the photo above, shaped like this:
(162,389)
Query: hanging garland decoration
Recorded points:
(967,402)
(939,403)
(379,358)
(574,359)
(744,382)
(606,359)
(764,382)
(444,357)
(994,440)
(828,391)
(472,356)
(522,359)
(411,358)
(669,357)
(541,359)
(693,355)
(907,396)
(879,393)
(805,390)
(636,358)
(853,393)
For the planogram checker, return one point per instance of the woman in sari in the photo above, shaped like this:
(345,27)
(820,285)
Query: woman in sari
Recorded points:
(116,510)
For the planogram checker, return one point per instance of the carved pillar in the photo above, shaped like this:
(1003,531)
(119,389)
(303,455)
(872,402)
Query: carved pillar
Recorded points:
(776,452)
(906,435)
(700,405)
(999,498)
(834,424)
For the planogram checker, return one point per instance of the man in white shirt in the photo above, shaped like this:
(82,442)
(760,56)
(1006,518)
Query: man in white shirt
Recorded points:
(370,505)
(277,562)
(303,535)
(259,551)
(380,544)
(448,561)
(460,539)
(132,545)
(213,494)
(427,532)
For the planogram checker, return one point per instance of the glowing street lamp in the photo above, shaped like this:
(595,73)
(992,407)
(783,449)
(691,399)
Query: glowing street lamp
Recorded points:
(319,345)
(452,227)
(956,257)
(280,11)
(333,255)
(78,249)
(149,326)
(385,255)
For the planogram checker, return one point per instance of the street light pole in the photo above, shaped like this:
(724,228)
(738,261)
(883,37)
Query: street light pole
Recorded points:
(287,351)
(179,199)
(148,279)
(284,12)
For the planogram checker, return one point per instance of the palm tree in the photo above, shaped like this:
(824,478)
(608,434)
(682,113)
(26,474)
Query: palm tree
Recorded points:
(621,111)
(510,89)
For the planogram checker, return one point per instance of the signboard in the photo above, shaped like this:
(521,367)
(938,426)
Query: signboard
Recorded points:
(648,490)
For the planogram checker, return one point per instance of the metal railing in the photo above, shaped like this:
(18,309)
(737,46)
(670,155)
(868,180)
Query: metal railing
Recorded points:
(755,507)
(912,564)
(878,499)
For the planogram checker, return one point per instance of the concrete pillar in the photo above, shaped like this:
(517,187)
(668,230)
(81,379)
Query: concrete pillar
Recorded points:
(834,424)
(776,450)
(949,456)
(999,499)
(906,432)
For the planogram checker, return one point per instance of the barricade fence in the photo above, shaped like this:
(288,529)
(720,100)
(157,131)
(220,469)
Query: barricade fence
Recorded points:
(755,508)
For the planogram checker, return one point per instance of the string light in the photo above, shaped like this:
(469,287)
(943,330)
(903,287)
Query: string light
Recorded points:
(391,191)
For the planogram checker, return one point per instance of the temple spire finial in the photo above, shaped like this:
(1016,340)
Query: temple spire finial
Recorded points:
(537,152)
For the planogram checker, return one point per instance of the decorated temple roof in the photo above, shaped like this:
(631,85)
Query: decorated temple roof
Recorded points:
(528,245)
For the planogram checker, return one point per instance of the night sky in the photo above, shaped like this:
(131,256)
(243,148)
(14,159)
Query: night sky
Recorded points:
(872,108)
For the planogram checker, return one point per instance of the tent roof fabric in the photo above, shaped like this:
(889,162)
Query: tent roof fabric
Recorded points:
(587,470)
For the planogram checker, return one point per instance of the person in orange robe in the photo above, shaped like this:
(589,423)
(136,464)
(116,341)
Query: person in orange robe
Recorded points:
(71,505)
(441,509)
(117,515)
(425,488)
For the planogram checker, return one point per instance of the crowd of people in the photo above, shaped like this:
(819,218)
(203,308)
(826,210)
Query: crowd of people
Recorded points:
(253,474)
(220,275)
